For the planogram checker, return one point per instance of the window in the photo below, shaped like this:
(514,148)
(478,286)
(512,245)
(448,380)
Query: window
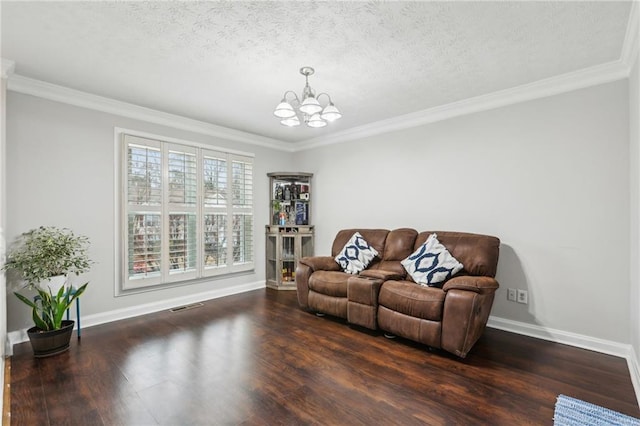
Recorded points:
(188,212)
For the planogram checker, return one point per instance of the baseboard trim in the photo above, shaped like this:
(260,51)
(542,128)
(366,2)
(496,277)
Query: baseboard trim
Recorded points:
(20,336)
(559,336)
(608,347)
(634,372)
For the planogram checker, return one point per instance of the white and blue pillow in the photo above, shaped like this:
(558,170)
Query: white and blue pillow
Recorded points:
(356,255)
(431,264)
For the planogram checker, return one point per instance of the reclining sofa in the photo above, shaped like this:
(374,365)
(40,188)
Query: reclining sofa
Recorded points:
(450,315)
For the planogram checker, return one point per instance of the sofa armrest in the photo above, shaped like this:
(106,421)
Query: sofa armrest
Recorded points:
(320,263)
(464,318)
(303,273)
(470,283)
(307,266)
(381,274)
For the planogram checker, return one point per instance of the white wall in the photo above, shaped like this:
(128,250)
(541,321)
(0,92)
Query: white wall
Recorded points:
(60,171)
(549,177)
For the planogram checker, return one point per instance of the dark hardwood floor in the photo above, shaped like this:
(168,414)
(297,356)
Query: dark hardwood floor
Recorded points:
(255,358)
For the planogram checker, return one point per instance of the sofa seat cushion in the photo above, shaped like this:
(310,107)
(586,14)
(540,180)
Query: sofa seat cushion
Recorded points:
(331,283)
(412,299)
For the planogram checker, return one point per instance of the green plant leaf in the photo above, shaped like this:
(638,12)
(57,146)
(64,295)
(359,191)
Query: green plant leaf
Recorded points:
(59,305)
(38,321)
(48,309)
(48,251)
(79,292)
(25,300)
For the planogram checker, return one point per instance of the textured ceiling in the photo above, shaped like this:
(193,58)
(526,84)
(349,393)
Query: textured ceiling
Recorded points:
(228,63)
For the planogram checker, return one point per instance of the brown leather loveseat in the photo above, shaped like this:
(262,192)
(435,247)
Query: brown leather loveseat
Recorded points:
(383,296)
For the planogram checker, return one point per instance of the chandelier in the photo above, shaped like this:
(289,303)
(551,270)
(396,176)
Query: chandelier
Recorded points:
(309,110)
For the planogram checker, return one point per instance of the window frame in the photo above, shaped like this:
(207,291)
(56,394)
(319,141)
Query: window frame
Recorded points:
(125,283)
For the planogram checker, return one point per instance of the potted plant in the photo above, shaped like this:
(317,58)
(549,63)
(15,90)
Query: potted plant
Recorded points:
(40,255)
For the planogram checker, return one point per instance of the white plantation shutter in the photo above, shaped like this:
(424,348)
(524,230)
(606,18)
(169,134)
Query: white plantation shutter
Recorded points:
(216,202)
(242,238)
(182,243)
(145,175)
(188,212)
(144,245)
(182,177)
(144,210)
(215,179)
(182,209)
(242,229)
(215,237)
(242,183)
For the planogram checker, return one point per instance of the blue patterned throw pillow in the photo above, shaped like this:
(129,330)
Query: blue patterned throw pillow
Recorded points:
(431,264)
(356,255)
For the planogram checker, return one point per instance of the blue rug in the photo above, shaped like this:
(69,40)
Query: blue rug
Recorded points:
(573,412)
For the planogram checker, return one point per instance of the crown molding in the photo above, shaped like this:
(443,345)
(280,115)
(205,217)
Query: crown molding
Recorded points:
(53,92)
(587,77)
(7,67)
(630,47)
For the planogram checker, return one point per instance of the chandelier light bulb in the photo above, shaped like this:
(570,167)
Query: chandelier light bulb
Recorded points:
(284,110)
(330,113)
(315,121)
(290,122)
(292,111)
(310,106)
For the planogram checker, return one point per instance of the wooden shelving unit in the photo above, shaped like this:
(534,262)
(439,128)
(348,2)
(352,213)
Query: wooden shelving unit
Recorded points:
(289,235)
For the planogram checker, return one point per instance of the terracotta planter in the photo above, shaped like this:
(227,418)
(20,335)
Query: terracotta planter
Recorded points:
(47,343)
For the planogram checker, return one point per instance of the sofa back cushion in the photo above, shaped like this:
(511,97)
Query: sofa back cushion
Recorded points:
(375,237)
(398,246)
(478,253)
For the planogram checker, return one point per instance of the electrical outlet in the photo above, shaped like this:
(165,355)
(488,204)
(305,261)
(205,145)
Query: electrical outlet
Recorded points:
(523,296)
(511,294)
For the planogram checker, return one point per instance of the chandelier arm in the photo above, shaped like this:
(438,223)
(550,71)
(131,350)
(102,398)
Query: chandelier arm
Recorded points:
(327,95)
(295,97)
